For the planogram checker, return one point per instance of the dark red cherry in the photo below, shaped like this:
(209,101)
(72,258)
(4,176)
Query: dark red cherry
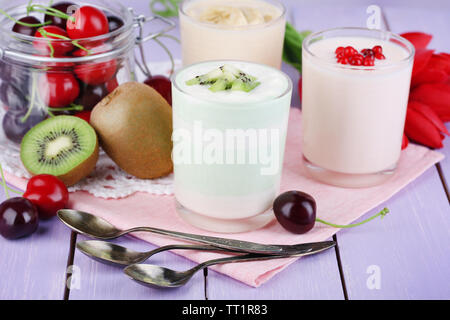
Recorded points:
(28,31)
(17,124)
(18,218)
(91,95)
(114,23)
(295,211)
(66,7)
(161,84)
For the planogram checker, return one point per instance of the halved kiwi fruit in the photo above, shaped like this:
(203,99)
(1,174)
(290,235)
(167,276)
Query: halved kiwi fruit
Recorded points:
(63,146)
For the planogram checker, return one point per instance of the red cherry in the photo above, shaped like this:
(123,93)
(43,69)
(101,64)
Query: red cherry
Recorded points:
(295,211)
(94,48)
(377,49)
(380,56)
(161,84)
(85,115)
(18,218)
(96,73)
(58,89)
(112,84)
(43,45)
(48,194)
(87,22)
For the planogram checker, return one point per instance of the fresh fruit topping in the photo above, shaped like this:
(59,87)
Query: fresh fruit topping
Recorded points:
(65,7)
(87,22)
(134,125)
(18,218)
(58,89)
(44,44)
(25,29)
(296,212)
(63,146)
(96,73)
(349,55)
(161,84)
(224,78)
(48,194)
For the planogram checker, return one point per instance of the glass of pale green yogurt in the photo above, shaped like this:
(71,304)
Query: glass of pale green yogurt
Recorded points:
(229,140)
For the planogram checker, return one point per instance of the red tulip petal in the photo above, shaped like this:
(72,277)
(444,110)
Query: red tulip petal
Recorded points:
(430,114)
(421,130)
(428,75)
(420,40)
(421,60)
(436,95)
(405,142)
(440,62)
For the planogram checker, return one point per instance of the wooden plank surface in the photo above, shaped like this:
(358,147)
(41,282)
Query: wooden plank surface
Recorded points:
(35,267)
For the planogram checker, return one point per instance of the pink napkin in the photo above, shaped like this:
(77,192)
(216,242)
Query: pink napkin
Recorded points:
(338,205)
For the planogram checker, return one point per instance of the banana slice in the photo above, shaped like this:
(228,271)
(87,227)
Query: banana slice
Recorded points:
(224,15)
(253,15)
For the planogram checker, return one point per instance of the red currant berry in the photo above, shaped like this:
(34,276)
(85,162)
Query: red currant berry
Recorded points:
(368,62)
(339,50)
(349,51)
(380,56)
(377,49)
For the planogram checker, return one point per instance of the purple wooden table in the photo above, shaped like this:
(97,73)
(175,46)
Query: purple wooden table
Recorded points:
(405,257)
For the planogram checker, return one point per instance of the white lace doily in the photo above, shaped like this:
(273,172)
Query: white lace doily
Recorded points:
(108,180)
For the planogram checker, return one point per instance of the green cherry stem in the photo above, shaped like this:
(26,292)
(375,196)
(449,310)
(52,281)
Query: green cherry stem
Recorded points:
(32,99)
(382,213)
(58,36)
(5,187)
(50,11)
(24,23)
(73,107)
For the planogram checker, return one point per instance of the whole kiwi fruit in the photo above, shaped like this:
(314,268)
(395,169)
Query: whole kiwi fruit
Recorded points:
(134,125)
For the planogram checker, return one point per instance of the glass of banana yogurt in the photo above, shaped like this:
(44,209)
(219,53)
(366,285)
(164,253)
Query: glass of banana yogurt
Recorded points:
(247,30)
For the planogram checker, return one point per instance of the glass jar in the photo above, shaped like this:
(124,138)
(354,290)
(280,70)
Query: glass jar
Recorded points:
(353,116)
(41,78)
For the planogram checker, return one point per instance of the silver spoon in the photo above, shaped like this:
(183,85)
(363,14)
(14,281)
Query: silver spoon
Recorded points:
(115,254)
(156,276)
(90,225)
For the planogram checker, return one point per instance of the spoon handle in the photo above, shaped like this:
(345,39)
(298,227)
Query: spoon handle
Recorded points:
(241,258)
(228,244)
(183,247)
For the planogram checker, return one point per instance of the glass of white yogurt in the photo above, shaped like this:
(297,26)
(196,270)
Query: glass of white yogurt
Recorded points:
(229,146)
(354,115)
(249,30)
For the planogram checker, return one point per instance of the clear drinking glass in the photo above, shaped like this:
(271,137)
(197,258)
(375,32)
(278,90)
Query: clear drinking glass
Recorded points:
(228,148)
(261,43)
(353,116)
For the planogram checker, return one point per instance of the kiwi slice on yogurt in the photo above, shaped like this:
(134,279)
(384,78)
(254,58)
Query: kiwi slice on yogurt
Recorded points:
(63,146)
(226,77)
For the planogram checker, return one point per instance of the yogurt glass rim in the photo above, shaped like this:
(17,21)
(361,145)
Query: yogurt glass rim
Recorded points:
(385,35)
(174,76)
(280,5)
